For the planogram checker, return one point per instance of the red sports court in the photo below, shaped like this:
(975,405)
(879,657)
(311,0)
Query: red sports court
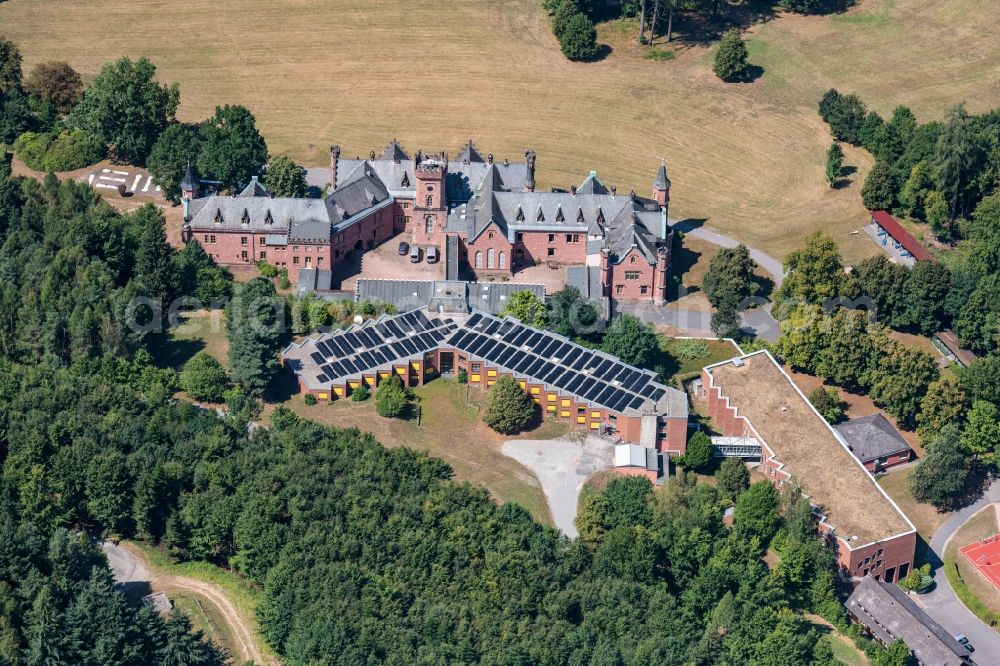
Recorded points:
(985,556)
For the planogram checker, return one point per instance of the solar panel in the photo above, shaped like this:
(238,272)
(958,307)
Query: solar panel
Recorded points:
(506,328)
(322,379)
(574,381)
(604,396)
(411,348)
(475,343)
(594,390)
(492,327)
(647,390)
(561,351)
(520,335)
(535,365)
(551,344)
(505,355)
(474,319)
(572,356)
(394,330)
(582,362)
(487,347)
(323,349)
(621,399)
(522,362)
(317,358)
(602,368)
(398,349)
(347,367)
(554,375)
(636,403)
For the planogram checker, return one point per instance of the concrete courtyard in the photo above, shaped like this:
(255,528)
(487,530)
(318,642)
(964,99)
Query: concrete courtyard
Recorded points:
(562,466)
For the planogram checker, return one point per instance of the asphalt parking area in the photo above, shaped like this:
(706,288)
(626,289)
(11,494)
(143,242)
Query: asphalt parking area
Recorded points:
(562,466)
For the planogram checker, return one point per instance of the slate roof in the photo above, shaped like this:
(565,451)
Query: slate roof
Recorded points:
(254,189)
(256,214)
(355,197)
(592,185)
(661,182)
(394,152)
(872,437)
(890,614)
(587,280)
(189,181)
(469,153)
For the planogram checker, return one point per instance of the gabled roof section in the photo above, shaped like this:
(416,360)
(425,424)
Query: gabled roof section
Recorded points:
(469,153)
(355,197)
(394,152)
(487,214)
(627,232)
(592,185)
(661,182)
(492,180)
(254,189)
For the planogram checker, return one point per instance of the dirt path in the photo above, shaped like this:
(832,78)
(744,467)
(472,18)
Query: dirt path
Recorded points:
(129,565)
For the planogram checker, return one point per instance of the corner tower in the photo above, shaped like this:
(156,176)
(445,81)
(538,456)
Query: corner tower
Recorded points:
(661,186)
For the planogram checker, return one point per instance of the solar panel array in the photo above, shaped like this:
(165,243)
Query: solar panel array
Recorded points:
(546,358)
(362,350)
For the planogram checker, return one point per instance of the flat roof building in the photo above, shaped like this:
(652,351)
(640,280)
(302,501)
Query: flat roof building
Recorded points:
(752,396)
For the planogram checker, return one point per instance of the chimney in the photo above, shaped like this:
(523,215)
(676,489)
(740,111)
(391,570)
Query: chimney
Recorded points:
(334,159)
(614,190)
(529,176)
(572,190)
(489,158)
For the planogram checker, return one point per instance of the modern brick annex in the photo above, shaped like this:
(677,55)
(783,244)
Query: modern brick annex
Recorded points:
(752,396)
(501,223)
(569,382)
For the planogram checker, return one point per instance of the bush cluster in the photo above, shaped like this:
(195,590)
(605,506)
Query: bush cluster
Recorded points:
(63,151)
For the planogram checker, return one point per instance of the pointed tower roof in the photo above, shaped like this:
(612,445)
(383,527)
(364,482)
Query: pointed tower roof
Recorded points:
(189,182)
(469,153)
(661,182)
(394,152)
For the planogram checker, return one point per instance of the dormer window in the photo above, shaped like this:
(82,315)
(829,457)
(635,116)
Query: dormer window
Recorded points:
(579,215)
(520,215)
(541,216)
(218,216)
(268,219)
(405,182)
(559,215)
(246,217)
(600,216)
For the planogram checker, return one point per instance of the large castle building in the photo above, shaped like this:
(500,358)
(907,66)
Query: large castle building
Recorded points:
(486,217)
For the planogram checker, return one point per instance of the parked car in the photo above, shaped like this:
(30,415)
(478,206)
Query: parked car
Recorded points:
(432,254)
(404,247)
(415,255)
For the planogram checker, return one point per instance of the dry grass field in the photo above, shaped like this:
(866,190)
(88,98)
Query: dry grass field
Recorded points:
(748,158)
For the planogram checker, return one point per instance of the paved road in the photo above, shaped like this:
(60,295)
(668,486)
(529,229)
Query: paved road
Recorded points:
(766,261)
(129,566)
(942,604)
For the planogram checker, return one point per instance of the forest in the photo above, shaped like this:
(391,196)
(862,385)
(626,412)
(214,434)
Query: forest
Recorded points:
(366,555)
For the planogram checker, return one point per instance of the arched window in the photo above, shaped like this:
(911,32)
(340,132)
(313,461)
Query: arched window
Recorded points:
(503,260)
(430,201)
(490,260)
(479,259)
(491,235)
(632,260)
(428,224)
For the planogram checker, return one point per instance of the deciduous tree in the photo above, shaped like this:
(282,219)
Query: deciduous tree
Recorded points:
(879,190)
(698,453)
(527,307)
(285,178)
(981,435)
(10,67)
(175,148)
(757,510)
(57,83)
(941,476)
(731,57)
(945,402)
(733,477)
(834,163)
(232,149)
(630,340)
(204,378)
(127,108)
(391,400)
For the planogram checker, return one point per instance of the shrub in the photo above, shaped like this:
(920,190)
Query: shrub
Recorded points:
(204,378)
(508,408)
(691,350)
(391,400)
(360,394)
(266,269)
(731,58)
(827,402)
(463,376)
(71,149)
(309,399)
(733,477)
(578,38)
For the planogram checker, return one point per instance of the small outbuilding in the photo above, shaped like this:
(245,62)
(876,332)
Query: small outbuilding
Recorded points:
(638,460)
(875,442)
(888,614)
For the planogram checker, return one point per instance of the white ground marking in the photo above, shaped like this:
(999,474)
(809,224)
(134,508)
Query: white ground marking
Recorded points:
(135,183)
(105,170)
(121,173)
(116,180)
(90,181)
(107,187)
(148,182)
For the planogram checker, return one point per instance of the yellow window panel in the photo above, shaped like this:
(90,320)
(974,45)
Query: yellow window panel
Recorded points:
(475,378)
(535,390)
(522,384)
(324,396)
(401,371)
(565,402)
(415,364)
(354,385)
(370,381)
(595,415)
(338,390)
(536,401)
(564,413)
(551,397)
(581,419)
(595,425)
(491,382)
(551,408)
(383,375)
(491,373)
